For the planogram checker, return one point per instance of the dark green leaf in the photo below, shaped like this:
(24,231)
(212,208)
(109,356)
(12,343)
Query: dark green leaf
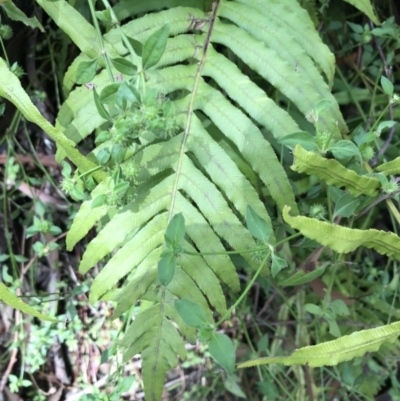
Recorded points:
(346,206)
(102,137)
(343,149)
(2,108)
(300,277)
(302,138)
(108,94)
(118,153)
(154,47)
(86,71)
(98,201)
(277,265)
(128,92)
(100,108)
(121,187)
(166,267)
(124,66)
(191,313)
(175,230)
(136,46)
(103,156)
(387,86)
(222,351)
(257,226)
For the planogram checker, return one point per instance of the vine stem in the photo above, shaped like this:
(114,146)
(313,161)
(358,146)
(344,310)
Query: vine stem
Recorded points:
(244,293)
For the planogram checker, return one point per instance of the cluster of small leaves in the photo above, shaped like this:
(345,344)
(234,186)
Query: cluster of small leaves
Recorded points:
(6,32)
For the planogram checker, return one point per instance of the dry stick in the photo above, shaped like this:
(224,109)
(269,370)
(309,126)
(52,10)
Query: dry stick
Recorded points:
(388,72)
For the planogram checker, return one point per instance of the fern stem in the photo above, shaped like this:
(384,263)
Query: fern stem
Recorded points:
(100,37)
(246,290)
(191,106)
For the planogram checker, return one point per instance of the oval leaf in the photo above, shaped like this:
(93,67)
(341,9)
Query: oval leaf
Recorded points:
(343,149)
(346,205)
(175,230)
(222,351)
(124,66)
(257,226)
(302,138)
(166,267)
(387,86)
(191,313)
(86,71)
(154,47)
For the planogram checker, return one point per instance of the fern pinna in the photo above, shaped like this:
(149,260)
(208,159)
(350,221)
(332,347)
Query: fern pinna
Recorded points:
(178,101)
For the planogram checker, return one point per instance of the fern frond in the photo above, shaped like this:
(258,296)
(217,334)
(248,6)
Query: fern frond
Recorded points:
(333,352)
(333,173)
(343,239)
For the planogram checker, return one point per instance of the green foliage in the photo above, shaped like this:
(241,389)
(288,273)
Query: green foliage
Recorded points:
(15,302)
(182,102)
(336,351)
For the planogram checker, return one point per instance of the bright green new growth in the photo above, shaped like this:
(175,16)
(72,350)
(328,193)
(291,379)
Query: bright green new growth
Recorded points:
(333,352)
(343,239)
(15,302)
(334,173)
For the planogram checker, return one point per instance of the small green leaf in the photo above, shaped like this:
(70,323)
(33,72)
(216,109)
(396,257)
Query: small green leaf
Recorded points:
(313,309)
(222,351)
(98,201)
(385,124)
(277,265)
(2,108)
(128,92)
(136,46)
(257,226)
(124,66)
(387,86)
(322,106)
(103,156)
(191,313)
(334,328)
(121,187)
(300,277)
(339,307)
(100,108)
(86,71)
(166,267)
(118,153)
(346,206)
(175,230)
(343,149)
(305,139)
(154,47)
(108,94)
(66,169)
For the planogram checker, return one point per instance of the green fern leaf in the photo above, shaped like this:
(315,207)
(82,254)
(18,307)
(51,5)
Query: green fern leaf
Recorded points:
(15,302)
(11,89)
(333,173)
(365,7)
(333,352)
(390,168)
(343,239)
